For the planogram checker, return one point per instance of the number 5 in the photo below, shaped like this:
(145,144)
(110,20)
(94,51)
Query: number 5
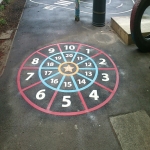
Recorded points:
(67,101)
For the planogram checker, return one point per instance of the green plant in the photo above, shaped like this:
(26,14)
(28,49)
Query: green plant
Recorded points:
(6,1)
(2,7)
(3,21)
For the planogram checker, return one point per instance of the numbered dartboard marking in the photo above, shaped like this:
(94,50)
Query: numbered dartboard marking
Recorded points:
(68,79)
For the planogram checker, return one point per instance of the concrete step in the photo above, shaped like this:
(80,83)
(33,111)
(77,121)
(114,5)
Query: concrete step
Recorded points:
(121,26)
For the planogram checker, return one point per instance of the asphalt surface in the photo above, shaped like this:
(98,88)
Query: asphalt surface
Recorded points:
(45,23)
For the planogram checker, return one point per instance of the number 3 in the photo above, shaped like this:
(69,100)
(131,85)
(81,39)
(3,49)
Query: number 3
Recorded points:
(67,101)
(105,77)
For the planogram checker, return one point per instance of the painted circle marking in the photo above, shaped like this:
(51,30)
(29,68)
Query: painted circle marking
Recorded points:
(68,79)
(67,74)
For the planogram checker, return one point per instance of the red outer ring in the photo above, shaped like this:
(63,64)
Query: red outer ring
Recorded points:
(55,93)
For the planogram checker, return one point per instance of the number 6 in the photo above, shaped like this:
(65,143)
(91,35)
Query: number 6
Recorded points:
(40,94)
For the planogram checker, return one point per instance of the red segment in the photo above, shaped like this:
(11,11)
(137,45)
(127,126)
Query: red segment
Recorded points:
(52,100)
(96,54)
(82,100)
(106,68)
(104,87)
(78,48)
(59,48)
(42,54)
(31,86)
(30,68)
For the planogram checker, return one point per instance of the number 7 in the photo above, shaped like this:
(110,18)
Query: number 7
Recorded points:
(30,75)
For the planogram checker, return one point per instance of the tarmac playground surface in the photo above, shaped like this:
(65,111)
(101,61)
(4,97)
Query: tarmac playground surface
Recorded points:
(70,85)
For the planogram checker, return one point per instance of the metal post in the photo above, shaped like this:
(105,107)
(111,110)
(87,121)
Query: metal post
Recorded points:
(99,8)
(77,10)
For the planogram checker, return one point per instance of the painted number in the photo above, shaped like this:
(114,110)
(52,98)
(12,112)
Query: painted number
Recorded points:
(88,51)
(68,84)
(105,77)
(69,55)
(35,61)
(50,64)
(58,58)
(67,101)
(88,64)
(69,47)
(55,81)
(94,95)
(40,94)
(103,61)
(81,81)
(88,73)
(30,75)
(80,58)
(47,73)
(51,50)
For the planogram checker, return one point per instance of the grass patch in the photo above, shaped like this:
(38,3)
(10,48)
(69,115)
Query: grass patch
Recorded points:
(6,1)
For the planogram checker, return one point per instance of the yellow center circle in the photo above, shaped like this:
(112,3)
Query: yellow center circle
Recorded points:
(68,63)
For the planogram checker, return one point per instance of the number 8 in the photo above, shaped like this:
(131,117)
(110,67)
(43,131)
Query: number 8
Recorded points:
(35,61)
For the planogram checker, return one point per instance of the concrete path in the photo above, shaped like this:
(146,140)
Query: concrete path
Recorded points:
(27,123)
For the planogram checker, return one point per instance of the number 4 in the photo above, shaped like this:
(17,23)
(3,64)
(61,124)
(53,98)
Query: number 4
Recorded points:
(94,95)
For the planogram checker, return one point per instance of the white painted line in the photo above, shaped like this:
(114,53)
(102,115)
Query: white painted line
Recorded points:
(133,1)
(38,2)
(64,3)
(120,5)
(88,7)
(86,2)
(108,2)
(50,7)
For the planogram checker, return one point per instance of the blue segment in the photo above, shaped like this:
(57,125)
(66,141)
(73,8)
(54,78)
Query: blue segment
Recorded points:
(54,60)
(61,82)
(83,61)
(51,76)
(87,68)
(74,57)
(84,76)
(49,68)
(64,57)
(75,84)
(72,77)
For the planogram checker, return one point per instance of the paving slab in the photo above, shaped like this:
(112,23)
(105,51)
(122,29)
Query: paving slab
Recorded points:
(6,35)
(132,130)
